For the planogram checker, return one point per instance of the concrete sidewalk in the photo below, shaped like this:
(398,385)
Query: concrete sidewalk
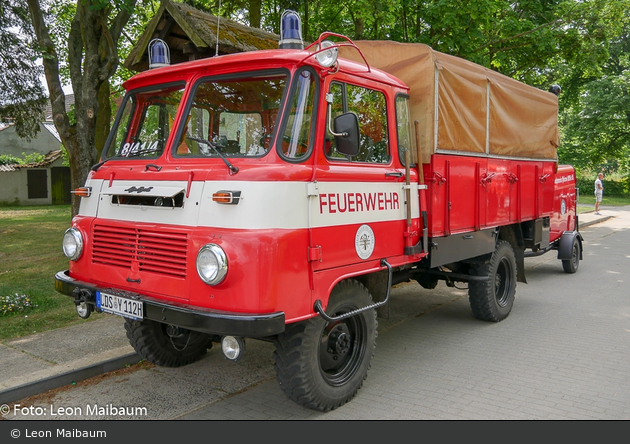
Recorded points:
(43,361)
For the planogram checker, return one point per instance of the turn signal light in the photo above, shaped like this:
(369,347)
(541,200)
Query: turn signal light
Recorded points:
(83,192)
(227,197)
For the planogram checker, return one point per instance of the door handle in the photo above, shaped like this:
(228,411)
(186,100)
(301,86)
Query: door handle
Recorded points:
(394,174)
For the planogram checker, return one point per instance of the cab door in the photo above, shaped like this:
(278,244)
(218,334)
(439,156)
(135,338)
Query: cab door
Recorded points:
(357,203)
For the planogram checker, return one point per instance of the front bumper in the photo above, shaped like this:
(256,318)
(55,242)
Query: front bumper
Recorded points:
(185,316)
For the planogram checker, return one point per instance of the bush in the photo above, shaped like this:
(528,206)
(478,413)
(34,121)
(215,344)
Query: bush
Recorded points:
(620,187)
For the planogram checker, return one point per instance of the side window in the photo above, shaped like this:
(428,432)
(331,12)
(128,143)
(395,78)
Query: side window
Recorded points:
(300,120)
(403,129)
(370,107)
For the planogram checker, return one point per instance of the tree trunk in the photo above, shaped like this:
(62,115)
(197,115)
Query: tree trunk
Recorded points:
(93,59)
(359,27)
(255,8)
(103,118)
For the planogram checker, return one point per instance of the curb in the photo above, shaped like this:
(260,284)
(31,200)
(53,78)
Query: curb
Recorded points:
(595,221)
(53,382)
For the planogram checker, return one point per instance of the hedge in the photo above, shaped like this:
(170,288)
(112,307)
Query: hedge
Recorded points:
(619,187)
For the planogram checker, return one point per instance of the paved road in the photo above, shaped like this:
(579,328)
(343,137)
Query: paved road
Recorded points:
(561,354)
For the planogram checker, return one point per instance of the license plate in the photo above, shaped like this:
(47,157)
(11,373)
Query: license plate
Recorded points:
(120,306)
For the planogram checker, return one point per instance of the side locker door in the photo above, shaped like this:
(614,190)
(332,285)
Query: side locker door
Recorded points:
(357,203)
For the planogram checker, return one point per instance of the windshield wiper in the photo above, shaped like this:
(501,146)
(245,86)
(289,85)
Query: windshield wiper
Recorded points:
(232,168)
(98,165)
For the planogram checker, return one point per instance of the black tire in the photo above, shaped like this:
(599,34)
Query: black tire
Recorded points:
(151,341)
(492,300)
(322,366)
(571,265)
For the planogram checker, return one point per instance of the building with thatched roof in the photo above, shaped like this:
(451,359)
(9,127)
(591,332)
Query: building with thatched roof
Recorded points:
(192,34)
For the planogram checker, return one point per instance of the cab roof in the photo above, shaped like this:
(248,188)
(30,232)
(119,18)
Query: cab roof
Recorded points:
(252,61)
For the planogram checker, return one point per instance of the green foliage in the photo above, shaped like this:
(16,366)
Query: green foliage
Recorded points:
(596,122)
(8,159)
(612,187)
(32,158)
(21,94)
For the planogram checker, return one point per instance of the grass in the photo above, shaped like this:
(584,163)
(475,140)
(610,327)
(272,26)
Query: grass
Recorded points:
(587,203)
(30,255)
(617,201)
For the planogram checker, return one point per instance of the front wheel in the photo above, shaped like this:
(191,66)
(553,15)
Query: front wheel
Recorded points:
(492,299)
(322,365)
(571,265)
(166,345)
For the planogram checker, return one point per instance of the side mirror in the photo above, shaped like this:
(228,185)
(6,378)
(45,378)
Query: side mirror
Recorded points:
(347,134)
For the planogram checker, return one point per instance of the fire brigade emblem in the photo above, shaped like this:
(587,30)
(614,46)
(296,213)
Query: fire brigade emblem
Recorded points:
(364,241)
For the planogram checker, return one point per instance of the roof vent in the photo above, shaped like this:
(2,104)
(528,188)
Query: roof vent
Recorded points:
(159,54)
(290,31)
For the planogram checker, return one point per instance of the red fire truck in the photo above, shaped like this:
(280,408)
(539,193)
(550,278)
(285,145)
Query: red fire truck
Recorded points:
(280,194)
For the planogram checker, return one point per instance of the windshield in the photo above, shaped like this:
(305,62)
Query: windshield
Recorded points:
(145,122)
(232,116)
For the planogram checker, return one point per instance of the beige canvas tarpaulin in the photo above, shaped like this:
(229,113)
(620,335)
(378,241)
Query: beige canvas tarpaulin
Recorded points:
(478,111)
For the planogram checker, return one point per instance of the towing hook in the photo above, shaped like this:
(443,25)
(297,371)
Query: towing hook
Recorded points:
(84,310)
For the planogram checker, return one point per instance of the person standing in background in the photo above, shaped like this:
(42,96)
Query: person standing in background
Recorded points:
(599,192)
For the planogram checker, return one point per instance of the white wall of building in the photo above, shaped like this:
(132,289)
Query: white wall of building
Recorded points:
(14,186)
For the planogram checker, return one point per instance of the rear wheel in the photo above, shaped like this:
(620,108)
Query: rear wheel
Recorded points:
(571,265)
(166,345)
(492,299)
(322,365)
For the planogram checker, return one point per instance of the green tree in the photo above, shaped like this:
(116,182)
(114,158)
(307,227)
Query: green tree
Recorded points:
(597,122)
(22,98)
(92,42)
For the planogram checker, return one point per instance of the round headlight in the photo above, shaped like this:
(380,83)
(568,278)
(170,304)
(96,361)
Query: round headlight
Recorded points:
(212,264)
(72,244)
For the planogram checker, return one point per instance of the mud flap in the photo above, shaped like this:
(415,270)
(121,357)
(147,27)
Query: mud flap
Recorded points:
(565,246)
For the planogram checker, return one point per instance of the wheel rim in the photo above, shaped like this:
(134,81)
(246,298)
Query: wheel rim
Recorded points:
(575,256)
(341,350)
(503,282)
